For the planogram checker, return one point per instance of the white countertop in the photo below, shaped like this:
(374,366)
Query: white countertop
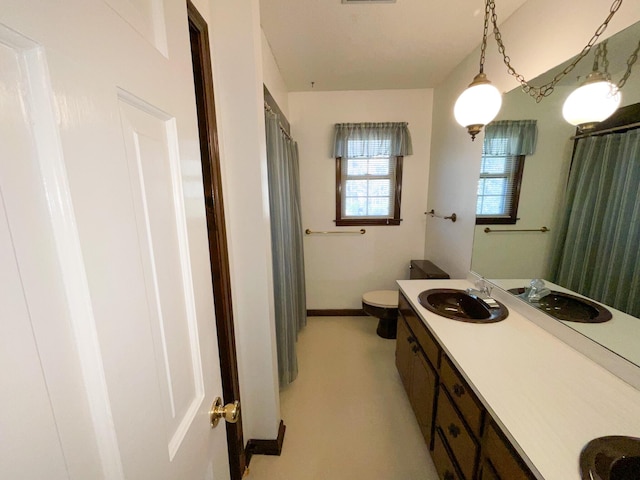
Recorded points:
(549,399)
(620,334)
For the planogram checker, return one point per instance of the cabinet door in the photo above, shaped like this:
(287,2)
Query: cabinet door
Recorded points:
(506,462)
(423,389)
(404,354)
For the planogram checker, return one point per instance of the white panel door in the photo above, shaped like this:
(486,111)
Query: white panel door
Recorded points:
(107,304)
(24,401)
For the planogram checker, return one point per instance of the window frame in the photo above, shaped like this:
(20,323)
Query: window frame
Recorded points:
(512,218)
(351,222)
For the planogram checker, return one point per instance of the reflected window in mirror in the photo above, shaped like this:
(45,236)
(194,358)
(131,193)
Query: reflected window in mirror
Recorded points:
(506,144)
(499,189)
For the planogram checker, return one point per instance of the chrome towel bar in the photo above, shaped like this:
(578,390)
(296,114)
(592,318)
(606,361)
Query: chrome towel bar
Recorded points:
(541,229)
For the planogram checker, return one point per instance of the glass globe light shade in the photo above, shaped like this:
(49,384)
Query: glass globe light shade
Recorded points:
(477,105)
(591,103)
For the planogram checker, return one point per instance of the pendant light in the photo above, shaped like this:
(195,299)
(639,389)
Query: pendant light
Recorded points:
(596,99)
(481,101)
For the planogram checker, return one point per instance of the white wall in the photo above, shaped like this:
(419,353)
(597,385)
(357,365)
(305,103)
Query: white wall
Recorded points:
(235,35)
(340,268)
(560,30)
(272,77)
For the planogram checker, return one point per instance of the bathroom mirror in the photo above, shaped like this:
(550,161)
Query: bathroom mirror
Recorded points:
(511,259)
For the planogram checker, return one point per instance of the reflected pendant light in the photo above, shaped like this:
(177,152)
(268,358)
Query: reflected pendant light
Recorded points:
(596,99)
(481,101)
(593,102)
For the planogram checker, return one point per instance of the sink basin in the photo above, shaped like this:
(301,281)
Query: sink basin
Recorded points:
(611,458)
(459,305)
(570,308)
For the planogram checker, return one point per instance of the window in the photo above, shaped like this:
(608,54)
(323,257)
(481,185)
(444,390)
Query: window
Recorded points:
(368,190)
(369,172)
(499,189)
(506,143)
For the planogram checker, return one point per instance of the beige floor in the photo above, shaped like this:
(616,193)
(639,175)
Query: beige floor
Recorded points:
(347,415)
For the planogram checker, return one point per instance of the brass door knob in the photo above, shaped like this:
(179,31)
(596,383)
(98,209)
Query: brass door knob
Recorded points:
(230,412)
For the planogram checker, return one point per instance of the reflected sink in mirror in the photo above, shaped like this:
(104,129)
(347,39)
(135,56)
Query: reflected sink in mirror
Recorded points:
(459,305)
(569,308)
(611,458)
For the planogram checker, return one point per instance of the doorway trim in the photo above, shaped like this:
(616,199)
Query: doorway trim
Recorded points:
(218,249)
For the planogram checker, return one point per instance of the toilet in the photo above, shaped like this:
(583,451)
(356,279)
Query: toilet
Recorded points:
(383,304)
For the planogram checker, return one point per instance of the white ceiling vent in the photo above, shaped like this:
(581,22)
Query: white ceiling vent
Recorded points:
(354,2)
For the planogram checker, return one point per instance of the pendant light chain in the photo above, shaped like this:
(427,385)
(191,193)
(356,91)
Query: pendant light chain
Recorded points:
(538,93)
(485,34)
(601,59)
(632,59)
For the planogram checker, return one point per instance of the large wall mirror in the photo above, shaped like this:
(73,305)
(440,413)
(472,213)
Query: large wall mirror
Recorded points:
(512,258)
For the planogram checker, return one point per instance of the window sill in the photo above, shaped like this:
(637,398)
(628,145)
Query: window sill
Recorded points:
(496,221)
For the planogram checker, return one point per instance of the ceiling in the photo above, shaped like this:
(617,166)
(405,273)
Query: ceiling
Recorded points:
(370,46)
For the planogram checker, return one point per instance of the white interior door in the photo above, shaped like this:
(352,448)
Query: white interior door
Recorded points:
(106,302)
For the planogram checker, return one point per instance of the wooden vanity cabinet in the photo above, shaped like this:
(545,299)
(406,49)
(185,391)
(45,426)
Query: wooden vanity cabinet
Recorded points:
(459,418)
(465,442)
(405,342)
(425,340)
(418,374)
(424,383)
(487,472)
(500,461)
(470,408)
(442,459)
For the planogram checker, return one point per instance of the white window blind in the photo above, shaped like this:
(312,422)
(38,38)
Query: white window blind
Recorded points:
(368,183)
(495,186)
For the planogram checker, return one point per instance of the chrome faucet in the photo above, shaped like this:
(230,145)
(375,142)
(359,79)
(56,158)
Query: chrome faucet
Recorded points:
(536,291)
(482,290)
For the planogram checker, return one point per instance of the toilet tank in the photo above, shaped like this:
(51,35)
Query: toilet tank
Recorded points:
(425,269)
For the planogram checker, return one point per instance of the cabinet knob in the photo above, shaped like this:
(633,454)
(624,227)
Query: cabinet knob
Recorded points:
(415,349)
(411,339)
(458,390)
(454,430)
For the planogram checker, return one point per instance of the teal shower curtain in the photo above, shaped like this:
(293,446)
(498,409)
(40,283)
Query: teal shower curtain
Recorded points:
(286,242)
(598,249)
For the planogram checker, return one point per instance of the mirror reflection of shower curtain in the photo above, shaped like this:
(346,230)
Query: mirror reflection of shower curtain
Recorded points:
(598,249)
(287,248)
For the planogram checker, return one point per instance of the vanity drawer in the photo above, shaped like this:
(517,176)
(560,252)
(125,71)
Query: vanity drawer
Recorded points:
(466,401)
(505,461)
(487,472)
(420,331)
(442,460)
(456,434)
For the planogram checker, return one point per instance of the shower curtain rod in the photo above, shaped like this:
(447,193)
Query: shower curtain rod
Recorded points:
(268,108)
(608,130)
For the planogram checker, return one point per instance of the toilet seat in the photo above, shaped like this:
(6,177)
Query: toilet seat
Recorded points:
(381,298)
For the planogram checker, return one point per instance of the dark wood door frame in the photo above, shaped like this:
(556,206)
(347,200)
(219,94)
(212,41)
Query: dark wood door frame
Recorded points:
(218,251)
